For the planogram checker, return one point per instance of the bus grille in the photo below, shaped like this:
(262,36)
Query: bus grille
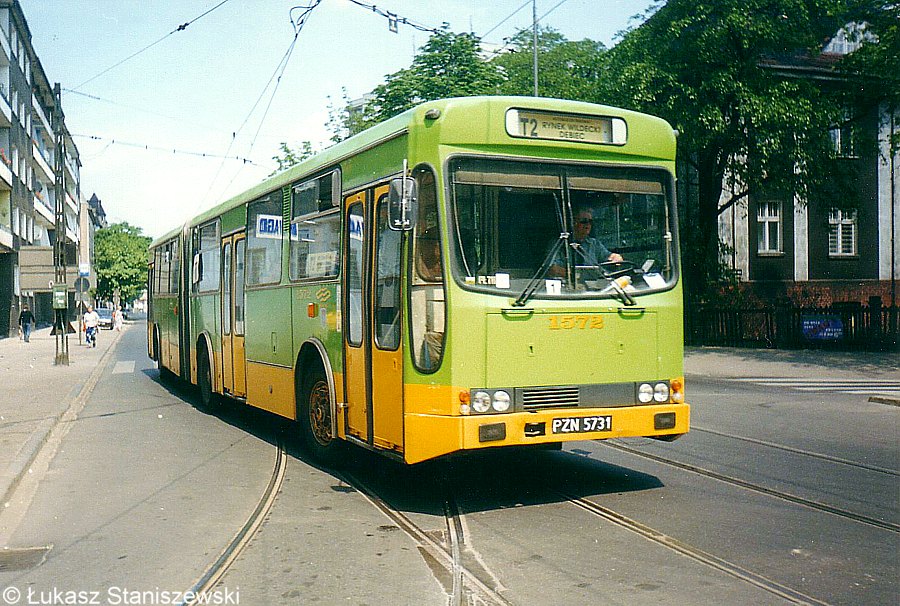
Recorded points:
(533,398)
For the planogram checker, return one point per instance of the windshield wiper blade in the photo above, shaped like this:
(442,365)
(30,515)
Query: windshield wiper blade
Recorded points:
(541,272)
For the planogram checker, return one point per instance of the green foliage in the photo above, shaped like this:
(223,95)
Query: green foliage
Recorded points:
(566,70)
(449,65)
(289,157)
(120,260)
(725,73)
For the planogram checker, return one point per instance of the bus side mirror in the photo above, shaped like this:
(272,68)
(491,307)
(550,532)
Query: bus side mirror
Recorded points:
(403,204)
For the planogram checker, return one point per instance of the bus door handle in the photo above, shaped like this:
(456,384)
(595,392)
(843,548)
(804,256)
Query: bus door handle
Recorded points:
(632,311)
(517,312)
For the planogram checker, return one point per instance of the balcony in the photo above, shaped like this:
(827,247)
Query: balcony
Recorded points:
(5,109)
(39,112)
(45,210)
(40,162)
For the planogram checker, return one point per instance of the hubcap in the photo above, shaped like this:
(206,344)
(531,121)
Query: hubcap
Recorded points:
(320,413)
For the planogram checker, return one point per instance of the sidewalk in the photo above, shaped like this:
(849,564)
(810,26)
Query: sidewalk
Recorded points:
(732,362)
(34,394)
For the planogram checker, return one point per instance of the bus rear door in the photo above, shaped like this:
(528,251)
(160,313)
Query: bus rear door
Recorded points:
(233,356)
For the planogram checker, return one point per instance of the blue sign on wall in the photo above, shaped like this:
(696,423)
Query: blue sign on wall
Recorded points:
(824,327)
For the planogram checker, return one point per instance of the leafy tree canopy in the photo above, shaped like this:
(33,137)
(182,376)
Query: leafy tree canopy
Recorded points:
(120,261)
(449,65)
(566,69)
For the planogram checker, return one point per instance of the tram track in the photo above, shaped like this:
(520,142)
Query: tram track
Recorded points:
(789,594)
(800,451)
(220,566)
(758,488)
(463,586)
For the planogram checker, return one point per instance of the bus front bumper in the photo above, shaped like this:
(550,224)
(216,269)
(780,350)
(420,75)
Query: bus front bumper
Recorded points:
(430,436)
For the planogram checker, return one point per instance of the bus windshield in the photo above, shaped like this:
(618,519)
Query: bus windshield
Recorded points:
(543,230)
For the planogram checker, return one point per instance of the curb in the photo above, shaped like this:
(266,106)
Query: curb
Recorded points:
(24,458)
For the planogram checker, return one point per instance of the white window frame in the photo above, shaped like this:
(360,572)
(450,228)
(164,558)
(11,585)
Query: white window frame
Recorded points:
(764,218)
(839,222)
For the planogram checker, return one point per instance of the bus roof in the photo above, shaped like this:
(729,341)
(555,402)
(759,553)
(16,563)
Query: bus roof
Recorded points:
(460,106)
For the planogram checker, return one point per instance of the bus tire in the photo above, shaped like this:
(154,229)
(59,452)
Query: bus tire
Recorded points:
(314,414)
(208,398)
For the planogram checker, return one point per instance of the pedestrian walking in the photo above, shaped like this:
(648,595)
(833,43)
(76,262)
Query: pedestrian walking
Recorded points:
(26,322)
(91,321)
(118,318)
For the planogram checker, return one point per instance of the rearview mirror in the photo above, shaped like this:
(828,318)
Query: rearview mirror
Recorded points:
(402,204)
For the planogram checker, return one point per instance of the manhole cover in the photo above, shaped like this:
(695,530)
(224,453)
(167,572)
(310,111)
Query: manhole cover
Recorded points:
(22,558)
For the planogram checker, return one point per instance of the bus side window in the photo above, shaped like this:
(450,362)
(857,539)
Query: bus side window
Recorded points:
(427,300)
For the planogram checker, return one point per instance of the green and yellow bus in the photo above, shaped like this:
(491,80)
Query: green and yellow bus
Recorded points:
(475,272)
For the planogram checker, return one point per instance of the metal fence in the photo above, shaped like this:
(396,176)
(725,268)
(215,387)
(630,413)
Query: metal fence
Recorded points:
(841,326)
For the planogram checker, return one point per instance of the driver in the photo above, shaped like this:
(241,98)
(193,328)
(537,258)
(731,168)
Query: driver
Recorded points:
(594,250)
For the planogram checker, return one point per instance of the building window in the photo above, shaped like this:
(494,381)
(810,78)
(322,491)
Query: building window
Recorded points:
(842,233)
(768,228)
(843,139)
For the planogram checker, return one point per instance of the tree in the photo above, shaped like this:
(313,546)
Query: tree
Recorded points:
(289,157)
(567,70)
(120,260)
(710,68)
(449,65)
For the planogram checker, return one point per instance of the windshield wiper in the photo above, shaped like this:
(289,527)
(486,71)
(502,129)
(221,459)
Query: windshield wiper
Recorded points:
(541,272)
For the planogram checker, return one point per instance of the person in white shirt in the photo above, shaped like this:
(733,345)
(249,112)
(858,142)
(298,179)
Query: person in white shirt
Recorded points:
(91,322)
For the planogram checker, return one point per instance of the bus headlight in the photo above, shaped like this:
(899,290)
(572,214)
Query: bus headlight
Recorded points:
(481,401)
(502,401)
(661,392)
(645,393)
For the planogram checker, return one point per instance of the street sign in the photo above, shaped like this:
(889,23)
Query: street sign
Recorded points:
(60,296)
(82,285)
(84,269)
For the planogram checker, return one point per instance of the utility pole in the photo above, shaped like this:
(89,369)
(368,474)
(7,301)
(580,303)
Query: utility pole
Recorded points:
(534,41)
(60,286)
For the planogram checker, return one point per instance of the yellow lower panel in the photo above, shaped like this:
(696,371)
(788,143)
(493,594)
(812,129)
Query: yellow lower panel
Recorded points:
(271,388)
(429,436)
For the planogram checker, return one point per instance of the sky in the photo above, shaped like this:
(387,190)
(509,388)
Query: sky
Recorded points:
(191,119)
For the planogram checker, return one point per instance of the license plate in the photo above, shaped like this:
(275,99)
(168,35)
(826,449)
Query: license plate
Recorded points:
(582,424)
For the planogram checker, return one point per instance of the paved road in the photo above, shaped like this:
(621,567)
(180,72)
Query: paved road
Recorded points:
(780,494)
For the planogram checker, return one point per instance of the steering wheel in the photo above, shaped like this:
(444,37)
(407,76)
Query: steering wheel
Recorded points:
(614,269)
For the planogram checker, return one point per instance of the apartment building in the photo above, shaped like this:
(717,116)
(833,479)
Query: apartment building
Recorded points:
(818,252)
(39,162)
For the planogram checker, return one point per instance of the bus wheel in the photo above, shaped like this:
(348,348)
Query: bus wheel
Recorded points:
(204,382)
(315,418)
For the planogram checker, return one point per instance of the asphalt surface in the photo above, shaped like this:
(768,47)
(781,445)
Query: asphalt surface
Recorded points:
(115,481)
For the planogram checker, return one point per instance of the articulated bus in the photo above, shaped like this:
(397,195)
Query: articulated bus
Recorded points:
(474,273)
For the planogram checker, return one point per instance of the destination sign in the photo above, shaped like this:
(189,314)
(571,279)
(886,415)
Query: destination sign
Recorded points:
(579,128)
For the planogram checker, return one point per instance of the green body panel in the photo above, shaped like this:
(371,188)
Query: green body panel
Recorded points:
(324,326)
(206,317)
(268,334)
(234,220)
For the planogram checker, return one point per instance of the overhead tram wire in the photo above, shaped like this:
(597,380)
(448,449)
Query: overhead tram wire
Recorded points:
(297,24)
(147,147)
(395,20)
(180,28)
(506,41)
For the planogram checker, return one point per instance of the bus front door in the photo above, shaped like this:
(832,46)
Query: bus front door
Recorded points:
(373,370)
(233,357)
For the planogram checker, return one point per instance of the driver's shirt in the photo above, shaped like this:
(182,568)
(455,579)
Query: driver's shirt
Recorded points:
(593,248)
(91,319)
